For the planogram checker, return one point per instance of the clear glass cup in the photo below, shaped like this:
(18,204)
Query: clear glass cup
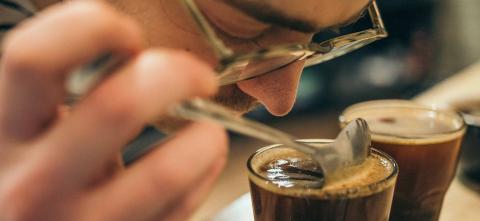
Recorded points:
(285,186)
(426,144)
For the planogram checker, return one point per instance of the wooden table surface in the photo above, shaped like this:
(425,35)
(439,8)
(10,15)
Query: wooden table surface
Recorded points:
(461,203)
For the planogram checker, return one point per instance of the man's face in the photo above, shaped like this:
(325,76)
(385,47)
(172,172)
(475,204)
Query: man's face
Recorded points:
(245,26)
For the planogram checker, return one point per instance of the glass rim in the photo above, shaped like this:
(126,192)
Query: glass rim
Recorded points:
(343,192)
(405,105)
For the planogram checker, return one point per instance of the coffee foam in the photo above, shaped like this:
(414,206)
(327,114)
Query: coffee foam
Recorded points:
(369,178)
(409,125)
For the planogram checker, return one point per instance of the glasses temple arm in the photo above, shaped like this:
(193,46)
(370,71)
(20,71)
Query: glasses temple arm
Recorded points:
(218,46)
(376,18)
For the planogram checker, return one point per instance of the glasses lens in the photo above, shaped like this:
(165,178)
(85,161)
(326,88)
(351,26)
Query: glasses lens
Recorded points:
(245,69)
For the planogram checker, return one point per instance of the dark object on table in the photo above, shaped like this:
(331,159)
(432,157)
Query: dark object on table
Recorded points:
(470,159)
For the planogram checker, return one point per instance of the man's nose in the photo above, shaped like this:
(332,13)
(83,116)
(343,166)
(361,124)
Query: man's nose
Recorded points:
(277,90)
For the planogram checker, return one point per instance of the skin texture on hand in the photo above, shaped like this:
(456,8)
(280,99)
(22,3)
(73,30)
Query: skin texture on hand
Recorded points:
(66,166)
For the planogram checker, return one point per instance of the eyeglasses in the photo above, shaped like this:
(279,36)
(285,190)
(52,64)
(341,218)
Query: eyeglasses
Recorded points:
(234,67)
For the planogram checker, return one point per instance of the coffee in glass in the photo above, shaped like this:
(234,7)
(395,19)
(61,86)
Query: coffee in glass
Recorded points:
(425,143)
(285,185)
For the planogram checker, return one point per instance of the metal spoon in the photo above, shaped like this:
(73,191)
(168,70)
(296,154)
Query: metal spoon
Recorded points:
(349,149)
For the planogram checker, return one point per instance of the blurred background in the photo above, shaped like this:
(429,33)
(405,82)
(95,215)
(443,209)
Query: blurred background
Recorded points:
(429,40)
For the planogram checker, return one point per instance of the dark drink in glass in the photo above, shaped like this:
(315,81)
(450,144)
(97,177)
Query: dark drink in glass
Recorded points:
(426,145)
(285,185)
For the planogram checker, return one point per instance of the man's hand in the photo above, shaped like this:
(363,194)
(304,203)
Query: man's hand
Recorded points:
(60,168)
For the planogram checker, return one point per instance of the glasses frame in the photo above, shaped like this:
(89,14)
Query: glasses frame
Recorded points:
(313,53)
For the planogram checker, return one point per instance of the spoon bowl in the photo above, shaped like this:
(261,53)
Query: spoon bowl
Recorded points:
(350,148)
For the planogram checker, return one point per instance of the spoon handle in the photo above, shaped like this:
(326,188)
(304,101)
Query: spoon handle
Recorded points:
(85,78)
(197,109)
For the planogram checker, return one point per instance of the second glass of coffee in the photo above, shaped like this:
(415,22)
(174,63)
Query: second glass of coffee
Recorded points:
(425,143)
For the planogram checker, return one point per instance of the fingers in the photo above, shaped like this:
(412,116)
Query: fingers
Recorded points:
(190,201)
(116,111)
(162,178)
(38,55)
